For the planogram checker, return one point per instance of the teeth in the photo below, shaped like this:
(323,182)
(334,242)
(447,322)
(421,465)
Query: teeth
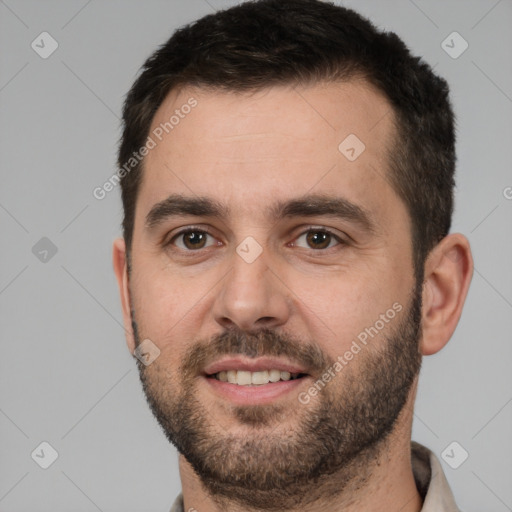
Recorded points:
(245,378)
(259,378)
(274,375)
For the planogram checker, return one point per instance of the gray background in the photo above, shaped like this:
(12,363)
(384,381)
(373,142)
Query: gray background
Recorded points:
(66,376)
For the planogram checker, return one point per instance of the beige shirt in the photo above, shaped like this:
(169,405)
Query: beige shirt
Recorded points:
(430,481)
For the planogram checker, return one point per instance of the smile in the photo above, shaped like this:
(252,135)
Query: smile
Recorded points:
(259,378)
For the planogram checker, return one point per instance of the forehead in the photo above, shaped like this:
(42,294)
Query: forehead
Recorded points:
(277,143)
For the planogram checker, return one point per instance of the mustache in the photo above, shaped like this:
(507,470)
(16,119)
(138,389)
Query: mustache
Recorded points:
(265,342)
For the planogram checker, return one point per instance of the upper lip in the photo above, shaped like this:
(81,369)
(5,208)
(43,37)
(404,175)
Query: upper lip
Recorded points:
(252,365)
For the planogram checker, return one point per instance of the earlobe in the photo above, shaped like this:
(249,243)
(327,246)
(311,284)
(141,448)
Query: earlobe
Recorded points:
(448,272)
(120,264)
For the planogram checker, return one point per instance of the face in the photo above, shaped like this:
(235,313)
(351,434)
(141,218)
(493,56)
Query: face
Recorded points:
(272,267)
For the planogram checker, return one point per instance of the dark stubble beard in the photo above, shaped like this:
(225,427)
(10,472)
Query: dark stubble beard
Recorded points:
(332,445)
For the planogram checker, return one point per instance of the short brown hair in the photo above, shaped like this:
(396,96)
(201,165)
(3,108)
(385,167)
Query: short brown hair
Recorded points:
(269,42)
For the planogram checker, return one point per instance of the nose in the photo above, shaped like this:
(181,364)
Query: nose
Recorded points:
(251,297)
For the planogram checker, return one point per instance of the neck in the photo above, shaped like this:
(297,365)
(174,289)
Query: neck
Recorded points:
(386,484)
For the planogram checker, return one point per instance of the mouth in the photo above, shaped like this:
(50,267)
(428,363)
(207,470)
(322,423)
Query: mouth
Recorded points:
(259,378)
(254,381)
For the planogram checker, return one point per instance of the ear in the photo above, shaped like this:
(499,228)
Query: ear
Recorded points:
(448,272)
(121,270)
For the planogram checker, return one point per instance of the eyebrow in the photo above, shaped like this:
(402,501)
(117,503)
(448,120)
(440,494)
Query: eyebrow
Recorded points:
(176,205)
(324,205)
(312,205)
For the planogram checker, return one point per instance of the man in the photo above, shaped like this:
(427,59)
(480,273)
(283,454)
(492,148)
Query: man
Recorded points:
(287,180)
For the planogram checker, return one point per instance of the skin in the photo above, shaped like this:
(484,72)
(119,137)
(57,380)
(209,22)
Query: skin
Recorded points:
(248,151)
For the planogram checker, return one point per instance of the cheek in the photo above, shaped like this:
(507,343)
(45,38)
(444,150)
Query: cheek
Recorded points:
(339,307)
(171,309)
(160,301)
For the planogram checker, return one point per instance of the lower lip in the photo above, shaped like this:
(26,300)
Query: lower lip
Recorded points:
(254,395)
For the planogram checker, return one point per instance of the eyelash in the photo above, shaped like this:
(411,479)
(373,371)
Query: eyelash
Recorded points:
(202,230)
(322,230)
(189,229)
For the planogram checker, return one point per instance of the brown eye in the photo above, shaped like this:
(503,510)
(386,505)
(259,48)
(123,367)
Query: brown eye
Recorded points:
(317,239)
(192,240)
